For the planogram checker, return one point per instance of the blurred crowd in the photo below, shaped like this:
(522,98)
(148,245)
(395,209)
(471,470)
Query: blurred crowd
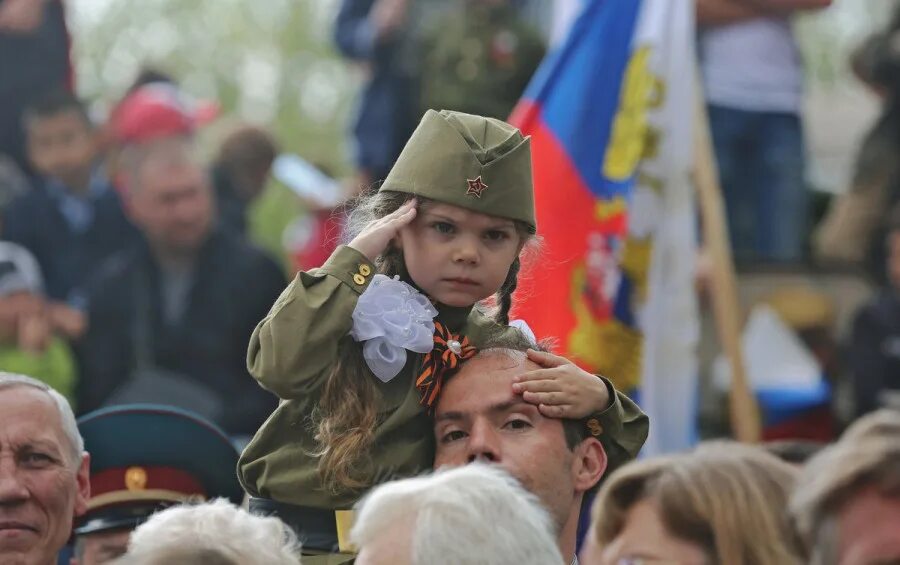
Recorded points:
(128,275)
(115,269)
(753,79)
(152,485)
(126,258)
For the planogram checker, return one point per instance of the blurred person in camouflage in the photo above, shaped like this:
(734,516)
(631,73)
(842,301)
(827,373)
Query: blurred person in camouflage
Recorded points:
(479,59)
(474,56)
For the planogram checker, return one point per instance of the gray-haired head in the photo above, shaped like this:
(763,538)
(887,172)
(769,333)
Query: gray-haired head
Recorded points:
(167,152)
(465,515)
(66,416)
(212,533)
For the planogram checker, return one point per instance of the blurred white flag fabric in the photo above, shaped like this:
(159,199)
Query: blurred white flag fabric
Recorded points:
(664,210)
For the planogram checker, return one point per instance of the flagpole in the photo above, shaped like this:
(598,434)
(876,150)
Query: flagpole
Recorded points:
(743,408)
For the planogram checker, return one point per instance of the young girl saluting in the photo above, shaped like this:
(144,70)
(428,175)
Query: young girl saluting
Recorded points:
(358,349)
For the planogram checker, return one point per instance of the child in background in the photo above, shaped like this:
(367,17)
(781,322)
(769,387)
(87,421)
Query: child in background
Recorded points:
(241,172)
(30,325)
(358,350)
(72,219)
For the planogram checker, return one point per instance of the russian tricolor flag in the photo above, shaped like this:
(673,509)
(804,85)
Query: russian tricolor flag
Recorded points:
(610,115)
(569,109)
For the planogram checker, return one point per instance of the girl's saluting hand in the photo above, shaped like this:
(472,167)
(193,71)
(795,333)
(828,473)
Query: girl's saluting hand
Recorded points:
(374,239)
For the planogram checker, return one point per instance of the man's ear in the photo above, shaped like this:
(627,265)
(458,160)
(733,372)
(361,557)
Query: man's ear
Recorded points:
(589,464)
(83,484)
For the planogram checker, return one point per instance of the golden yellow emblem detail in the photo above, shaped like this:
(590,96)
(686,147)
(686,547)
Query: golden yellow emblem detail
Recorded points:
(365,270)
(630,137)
(594,426)
(135,478)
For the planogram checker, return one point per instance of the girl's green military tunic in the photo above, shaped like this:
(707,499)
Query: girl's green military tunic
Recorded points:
(292,352)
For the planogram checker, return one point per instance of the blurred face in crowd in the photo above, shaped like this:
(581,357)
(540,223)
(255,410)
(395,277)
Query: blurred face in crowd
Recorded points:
(63,146)
(171,201)
(868,529)
(102,547)
(644,539)
(479,418)
(42,487)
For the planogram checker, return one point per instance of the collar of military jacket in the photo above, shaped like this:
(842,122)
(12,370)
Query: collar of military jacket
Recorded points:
(453,317)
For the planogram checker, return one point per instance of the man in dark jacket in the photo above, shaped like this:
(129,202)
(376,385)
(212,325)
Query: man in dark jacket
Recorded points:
(170,320)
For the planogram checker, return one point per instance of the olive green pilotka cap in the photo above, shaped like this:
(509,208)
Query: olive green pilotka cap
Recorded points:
(481,164)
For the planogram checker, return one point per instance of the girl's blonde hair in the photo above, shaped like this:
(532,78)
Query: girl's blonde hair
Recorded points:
(347,415)
(730,499)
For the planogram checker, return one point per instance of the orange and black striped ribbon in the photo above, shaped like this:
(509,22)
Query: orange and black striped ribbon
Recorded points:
(440,363)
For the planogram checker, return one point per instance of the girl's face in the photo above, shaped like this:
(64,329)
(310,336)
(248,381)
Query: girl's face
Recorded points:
(457,256)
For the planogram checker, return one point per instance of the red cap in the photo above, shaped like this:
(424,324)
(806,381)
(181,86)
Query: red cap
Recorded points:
(158,110)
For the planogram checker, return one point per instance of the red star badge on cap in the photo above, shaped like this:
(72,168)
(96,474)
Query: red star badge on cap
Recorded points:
(476,187)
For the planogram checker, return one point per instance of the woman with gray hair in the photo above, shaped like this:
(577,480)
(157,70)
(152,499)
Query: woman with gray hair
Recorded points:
(212,533)
(475,514)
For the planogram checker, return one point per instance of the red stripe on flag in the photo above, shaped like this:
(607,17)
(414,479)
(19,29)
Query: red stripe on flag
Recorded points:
(565,215)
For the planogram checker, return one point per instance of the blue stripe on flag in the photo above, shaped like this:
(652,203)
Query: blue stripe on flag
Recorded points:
(578,87)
